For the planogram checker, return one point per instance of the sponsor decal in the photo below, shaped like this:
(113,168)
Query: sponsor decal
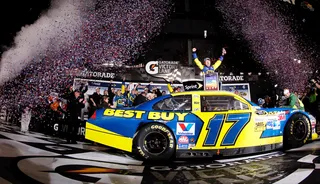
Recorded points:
(277,125)
(192,145)
(269,125)
(193,85)
(282,116)
(183,140)
(183,146)
(186,128)
(273,125)
(192,140)
(166,116)
(124,113)
(259,127)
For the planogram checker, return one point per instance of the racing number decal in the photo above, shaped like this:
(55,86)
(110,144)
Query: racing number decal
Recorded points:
(215,125)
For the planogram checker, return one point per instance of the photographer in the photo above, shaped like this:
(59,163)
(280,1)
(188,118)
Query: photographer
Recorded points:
(317,102)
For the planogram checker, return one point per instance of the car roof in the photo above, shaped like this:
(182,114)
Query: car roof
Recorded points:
(205,93)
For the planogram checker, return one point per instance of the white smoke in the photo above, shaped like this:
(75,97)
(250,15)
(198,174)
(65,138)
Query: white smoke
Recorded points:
(54,29)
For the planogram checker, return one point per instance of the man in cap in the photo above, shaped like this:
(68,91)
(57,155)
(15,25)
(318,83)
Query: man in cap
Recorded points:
(207,61)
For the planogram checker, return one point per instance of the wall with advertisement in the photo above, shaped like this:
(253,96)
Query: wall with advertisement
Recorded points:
(242,89)
(103,85)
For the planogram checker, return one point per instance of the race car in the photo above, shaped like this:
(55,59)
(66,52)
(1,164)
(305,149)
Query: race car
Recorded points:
(199,124)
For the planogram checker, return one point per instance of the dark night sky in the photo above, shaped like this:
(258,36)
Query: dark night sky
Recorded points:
(17,13)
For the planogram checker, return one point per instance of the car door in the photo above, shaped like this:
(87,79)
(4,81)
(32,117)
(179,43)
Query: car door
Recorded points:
(183,123)
(225,118)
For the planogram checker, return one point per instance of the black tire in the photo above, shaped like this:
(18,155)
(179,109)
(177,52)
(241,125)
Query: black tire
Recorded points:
(154,142)
(297,131)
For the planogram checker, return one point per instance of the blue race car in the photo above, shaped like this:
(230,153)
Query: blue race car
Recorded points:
(199,124)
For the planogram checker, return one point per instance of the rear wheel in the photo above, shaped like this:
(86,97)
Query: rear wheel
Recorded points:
(154,142)
(297,131)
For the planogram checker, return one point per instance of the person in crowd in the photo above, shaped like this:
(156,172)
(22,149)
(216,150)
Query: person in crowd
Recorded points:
(95,101)
(292,100)
(120,100)
(105,102)
(131,96)
(68,94)
(317,92)
(164,92)
(105,92)
(141,98)
(305,99)
(83,89)
(111,92)
(26,118)
(268,102)
(261,102)
(151,96)
(207,61)
(75,107)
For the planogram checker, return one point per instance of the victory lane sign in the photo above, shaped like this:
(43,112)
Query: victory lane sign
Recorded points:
(161,69)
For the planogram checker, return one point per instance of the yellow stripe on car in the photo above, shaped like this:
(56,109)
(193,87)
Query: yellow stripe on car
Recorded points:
(105,137)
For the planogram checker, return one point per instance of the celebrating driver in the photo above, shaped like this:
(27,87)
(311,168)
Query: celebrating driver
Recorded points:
(207,62)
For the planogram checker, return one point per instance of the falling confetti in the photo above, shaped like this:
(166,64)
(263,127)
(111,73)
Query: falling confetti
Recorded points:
(72,38)
(270,38)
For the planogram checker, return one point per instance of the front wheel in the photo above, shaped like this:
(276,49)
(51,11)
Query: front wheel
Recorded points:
(154,142)
(297,131)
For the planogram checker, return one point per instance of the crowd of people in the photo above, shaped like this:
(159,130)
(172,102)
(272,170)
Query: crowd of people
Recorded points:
(309,100)
(127,96)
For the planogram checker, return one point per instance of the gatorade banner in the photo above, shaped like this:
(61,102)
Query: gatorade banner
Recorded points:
(103,85)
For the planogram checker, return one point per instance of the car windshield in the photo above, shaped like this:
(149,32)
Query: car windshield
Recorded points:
(251,103)
(173,104)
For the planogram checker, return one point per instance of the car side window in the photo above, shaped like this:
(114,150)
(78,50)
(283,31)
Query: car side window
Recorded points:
(175,103)
(215,103)
(238,105)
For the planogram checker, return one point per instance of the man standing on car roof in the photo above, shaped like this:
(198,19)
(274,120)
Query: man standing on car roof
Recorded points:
(207,61)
